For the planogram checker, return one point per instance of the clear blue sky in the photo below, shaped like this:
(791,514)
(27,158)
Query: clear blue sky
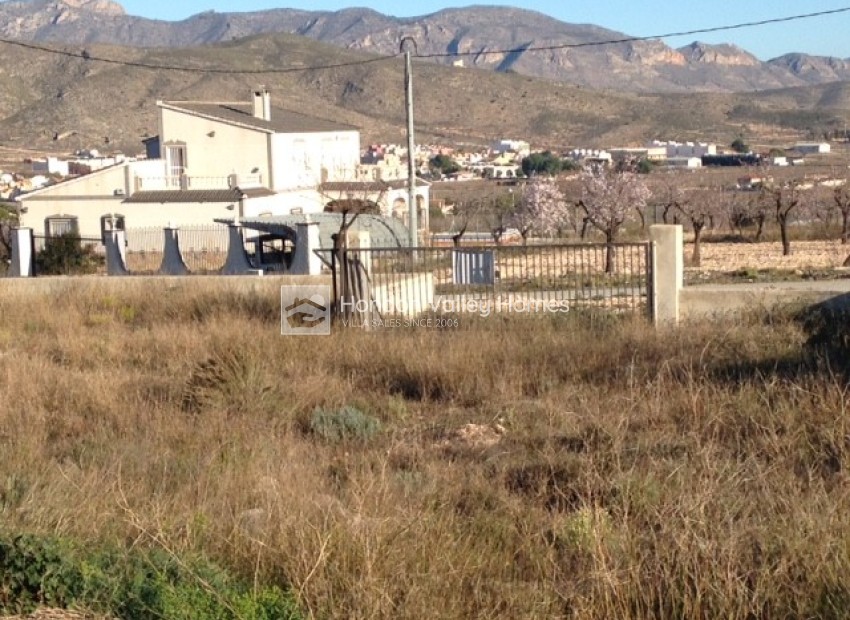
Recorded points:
(826,36)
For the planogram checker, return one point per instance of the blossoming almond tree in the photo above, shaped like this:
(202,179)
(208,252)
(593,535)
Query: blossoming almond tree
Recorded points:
(609,198)
(541,209)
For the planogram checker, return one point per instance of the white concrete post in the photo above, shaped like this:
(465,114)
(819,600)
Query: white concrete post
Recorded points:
(362,240)
(306,262)
(23,254)
(237,262)
(668,272)
(116,253)
(172,259)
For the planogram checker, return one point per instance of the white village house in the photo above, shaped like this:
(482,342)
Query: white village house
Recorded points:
(224,160)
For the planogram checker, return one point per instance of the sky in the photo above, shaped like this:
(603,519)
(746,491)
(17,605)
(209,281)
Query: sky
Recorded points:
(823,36)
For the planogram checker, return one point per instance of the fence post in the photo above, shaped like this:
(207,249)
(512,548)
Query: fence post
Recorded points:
(23,253)
(306,262)
(116,257)
(237,262)
(172,260)
(668,268)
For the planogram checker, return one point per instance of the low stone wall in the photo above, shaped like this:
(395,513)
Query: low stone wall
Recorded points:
(673,302)
(717,301)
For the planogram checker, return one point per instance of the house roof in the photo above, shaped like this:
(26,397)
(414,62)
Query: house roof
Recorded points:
(369,186)
(282,120)
(197,195)
(384,232)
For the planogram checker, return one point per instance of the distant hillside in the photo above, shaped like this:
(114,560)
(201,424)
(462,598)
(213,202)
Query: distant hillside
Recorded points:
(475,32)
(87,102)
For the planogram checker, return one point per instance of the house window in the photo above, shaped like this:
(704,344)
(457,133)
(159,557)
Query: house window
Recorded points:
(109,223)
(57,225)
(175,160)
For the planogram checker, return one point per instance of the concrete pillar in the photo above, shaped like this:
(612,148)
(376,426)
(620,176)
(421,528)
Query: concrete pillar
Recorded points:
(668,272)
(237,262)
(361,240)
(306,262)
(116,253)
(172,260)
(23,253)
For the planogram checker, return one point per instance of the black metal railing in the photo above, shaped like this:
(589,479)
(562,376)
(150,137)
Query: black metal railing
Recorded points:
(203,248)
(373,283)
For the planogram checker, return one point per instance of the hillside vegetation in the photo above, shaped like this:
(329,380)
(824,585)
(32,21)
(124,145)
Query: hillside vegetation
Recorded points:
(88,103)
(588,467)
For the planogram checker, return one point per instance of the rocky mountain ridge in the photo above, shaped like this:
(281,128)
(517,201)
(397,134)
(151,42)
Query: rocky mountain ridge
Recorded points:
(485,37)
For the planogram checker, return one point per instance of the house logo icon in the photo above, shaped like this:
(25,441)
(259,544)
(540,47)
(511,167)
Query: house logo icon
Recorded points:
(305,310)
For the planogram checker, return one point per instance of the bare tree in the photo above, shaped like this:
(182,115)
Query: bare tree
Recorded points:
(841,196)
(667,193)
(609,198)
(785,199)
(501,208)
(699,206)
(465,212)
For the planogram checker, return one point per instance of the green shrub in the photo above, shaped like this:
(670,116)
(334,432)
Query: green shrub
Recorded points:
(137,585)
(66,255)
(344,424)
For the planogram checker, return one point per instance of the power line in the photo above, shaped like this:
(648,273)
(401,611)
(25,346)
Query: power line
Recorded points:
(86,55)
(542,48)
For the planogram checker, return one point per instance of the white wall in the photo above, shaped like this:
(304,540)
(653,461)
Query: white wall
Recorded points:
(300,158)
(215,148)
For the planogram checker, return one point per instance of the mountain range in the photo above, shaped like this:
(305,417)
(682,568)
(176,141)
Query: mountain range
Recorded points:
(102,93)
(477,36)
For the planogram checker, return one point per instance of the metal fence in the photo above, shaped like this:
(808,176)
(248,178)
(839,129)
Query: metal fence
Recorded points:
(203,248)
(376,283)
(94,243)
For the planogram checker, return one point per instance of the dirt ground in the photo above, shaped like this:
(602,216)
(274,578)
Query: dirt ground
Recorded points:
(806,256)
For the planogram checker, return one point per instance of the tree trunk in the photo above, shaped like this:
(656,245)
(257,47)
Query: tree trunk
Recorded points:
(665,213)
(845,225)
(584,224)
(642,217)
(783,233)
(760,229)
(610,252)
(696,258)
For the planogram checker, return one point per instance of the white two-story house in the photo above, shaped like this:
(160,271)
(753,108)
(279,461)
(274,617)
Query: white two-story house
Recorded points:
(223,160)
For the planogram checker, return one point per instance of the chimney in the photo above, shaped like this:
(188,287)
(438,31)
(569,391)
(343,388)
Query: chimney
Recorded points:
(262,104)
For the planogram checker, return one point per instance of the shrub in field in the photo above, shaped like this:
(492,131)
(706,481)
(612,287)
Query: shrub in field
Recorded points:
(66,255)
(828,329)
(348,423)
(136,585)
(231,380)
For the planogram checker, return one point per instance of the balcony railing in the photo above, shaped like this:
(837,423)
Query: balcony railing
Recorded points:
(185,181)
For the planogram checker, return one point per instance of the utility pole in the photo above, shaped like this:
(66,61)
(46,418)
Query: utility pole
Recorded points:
(412,218)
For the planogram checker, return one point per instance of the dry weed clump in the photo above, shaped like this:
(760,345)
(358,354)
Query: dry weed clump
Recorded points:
(588,467)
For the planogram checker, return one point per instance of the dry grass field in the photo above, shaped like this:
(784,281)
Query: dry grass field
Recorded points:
(580,467)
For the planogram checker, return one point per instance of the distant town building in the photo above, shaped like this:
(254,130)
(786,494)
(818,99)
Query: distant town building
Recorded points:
(685,149)
(807,148)
(684,162)
(520,147)
(651,153)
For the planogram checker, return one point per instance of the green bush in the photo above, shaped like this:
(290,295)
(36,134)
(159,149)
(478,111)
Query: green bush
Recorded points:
(66,255)
(139,585)
(348,423)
